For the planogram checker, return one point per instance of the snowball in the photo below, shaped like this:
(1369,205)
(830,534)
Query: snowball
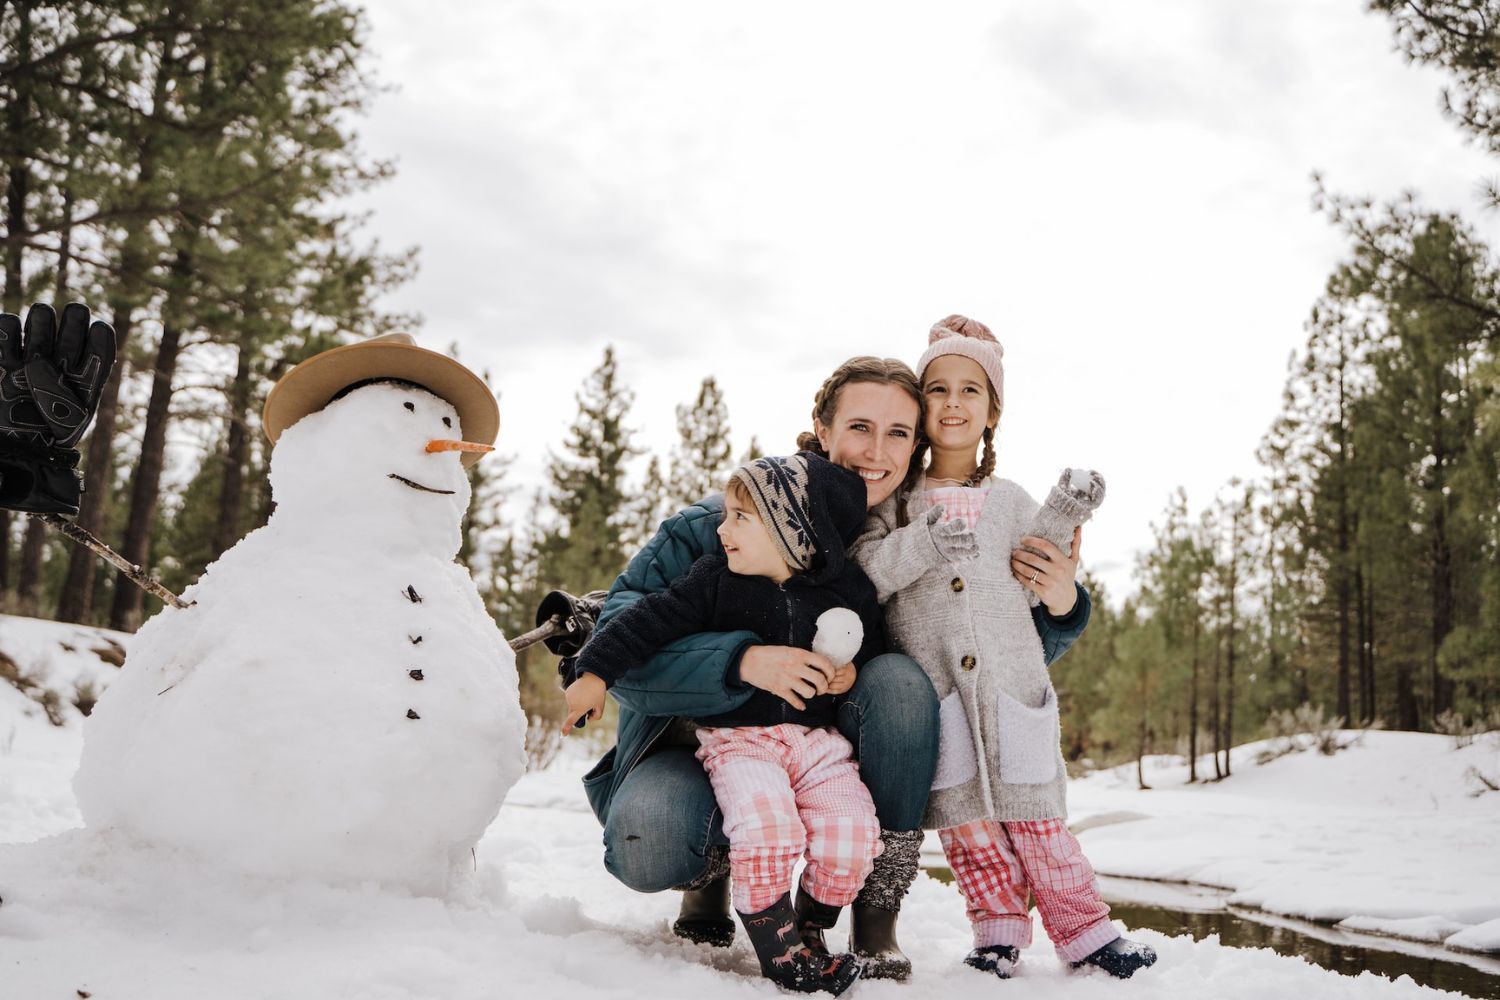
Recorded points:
(1080,480)
(337,704)
(839,635)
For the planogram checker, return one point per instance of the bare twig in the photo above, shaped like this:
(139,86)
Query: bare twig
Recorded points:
(141,579)
(132,572)
(546,630)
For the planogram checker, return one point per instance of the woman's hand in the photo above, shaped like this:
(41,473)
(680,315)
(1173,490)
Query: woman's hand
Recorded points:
(585,698)
(843,679)
(1050,576)
(789,673)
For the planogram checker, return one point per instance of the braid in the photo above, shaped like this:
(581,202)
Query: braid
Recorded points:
(914,473)
(987,464)
(808,441)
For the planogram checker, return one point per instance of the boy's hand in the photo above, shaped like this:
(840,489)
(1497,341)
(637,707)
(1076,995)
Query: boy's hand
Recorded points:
(585,698)
(843,679)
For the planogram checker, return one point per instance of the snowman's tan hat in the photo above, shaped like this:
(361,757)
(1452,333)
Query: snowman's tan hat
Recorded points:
(314,383)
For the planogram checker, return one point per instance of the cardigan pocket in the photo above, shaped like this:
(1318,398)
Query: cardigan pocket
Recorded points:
(1028,740)
(957,762)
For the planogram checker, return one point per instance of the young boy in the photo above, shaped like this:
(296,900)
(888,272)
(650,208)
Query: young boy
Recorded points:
(784,778)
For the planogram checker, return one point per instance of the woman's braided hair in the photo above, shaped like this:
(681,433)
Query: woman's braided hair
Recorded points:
(879,371)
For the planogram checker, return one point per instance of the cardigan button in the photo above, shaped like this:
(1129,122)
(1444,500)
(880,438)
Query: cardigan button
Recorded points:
(967,662)
(957,584)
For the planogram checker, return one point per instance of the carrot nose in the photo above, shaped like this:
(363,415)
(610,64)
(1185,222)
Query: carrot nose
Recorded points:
(441,444)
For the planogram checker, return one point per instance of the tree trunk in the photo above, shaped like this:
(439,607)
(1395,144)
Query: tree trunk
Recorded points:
(1234,582)
(29,582)
(1367,654)
(77,600)
(236,453)
(1193,707)
(1344,554)
(1406,695)
(145,484)
(17,186)
(1442,581)
(76,603)
(1213,701)
(1359,640)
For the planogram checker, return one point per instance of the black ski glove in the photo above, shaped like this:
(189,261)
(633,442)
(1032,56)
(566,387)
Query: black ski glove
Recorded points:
(62,367)
(40,480)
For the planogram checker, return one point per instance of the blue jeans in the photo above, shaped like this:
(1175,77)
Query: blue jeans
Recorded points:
(664,821)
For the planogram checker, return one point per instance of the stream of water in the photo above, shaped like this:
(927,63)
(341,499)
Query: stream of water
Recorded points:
(1200,912)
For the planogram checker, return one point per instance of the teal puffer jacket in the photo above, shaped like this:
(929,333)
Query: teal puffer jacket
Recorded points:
(684,678)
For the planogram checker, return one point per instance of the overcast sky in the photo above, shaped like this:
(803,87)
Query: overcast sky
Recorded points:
(1121,190)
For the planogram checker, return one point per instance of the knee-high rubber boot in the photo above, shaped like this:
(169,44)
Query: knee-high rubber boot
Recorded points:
(872,932)
(704,917)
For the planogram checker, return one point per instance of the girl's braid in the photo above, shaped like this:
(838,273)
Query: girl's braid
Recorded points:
(987,463)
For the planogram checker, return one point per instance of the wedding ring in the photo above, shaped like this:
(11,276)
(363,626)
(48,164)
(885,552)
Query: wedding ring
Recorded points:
(1033,575)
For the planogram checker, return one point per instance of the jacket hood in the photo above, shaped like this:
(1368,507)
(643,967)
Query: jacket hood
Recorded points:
(837,498)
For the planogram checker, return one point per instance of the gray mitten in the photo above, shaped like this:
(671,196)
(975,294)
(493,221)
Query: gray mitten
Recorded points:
(1078,493)
(953,539)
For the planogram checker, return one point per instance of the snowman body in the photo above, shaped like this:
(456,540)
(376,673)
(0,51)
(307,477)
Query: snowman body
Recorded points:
(337,704)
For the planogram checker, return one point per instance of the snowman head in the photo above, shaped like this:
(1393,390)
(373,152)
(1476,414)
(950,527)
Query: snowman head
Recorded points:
(365,437)
(374,468)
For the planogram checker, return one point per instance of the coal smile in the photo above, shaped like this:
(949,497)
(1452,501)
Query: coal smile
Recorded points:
(419,486)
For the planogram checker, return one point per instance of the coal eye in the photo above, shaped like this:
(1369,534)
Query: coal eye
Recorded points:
(411,406)
(447,422)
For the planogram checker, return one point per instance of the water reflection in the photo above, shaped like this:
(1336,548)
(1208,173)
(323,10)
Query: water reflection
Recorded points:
(1201,914)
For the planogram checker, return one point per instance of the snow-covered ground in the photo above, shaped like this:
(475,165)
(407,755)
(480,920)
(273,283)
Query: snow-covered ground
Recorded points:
(1385,831)
(1387,836)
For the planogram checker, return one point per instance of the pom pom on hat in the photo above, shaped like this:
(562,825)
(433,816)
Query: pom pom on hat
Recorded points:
(971,339)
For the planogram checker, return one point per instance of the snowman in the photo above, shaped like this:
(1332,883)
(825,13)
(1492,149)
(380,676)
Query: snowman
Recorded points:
(335,704)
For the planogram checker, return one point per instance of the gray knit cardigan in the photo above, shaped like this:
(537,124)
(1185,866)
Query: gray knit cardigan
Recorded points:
(968,624)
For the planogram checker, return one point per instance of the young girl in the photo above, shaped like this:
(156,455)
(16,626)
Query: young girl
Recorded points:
(999,797)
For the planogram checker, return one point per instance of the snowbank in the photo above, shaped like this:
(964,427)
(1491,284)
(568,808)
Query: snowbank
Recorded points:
(1387,836)
(536,915)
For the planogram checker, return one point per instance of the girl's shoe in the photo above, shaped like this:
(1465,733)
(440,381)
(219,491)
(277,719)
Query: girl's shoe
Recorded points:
(997,959)
(786,961)
(1121,958)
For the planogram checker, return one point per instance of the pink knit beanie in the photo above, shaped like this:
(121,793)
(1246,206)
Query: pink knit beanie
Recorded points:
(971,339)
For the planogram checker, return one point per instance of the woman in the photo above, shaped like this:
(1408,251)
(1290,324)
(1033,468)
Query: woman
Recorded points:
(662,827)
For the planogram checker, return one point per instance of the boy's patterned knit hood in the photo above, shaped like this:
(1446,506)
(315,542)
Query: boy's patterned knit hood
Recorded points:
(811,507)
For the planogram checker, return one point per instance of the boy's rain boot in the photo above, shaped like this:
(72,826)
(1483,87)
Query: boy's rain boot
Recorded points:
(872,918)
(786,961)
(813,918)
(998,959)
(704,917)
(1121,958)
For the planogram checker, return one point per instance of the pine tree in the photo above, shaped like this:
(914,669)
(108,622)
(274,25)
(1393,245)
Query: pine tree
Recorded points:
(585,552)
(700,459)
(653,504)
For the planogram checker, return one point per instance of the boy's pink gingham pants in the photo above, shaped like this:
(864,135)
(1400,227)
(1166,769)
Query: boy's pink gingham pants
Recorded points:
(995,863)
(788,790)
